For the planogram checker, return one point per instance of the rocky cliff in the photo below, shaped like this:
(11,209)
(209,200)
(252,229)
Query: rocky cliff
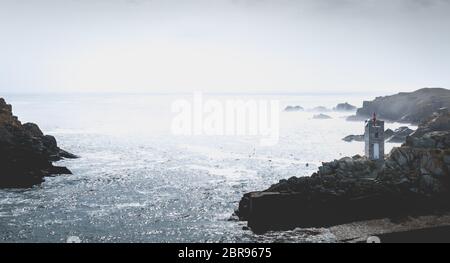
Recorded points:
(411,107)
(26,154)
(414,179)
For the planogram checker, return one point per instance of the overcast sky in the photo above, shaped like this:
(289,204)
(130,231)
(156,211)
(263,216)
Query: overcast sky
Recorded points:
(224,45)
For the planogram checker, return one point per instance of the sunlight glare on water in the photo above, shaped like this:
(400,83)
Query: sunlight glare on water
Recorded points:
(136,182)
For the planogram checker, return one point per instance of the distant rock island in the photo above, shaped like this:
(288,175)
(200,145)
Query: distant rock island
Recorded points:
(320,109)
(407,107)
(344,107)
(321,116)
(414,179)
(26,154)
(398,135)
(339,107)
(352,137)
(293,108)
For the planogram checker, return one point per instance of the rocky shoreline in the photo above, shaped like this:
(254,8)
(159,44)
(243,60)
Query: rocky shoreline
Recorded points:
(26,154)
(413,180)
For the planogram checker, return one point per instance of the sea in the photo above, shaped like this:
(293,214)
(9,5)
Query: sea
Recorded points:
(138,181)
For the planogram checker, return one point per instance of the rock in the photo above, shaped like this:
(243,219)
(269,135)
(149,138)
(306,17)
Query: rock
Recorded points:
(356,118)
(293,108)
(438,121)
(59,170)
(320,109)
(321,116)
(67,155)
(6,116)
(32,129)
(399,135)
(388,133)
(447,158)
(430,140)
(429,184)
(344,107)
(358,138)
(408,107)
(26,154)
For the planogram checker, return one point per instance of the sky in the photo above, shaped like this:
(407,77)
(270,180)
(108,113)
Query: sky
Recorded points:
(279,46)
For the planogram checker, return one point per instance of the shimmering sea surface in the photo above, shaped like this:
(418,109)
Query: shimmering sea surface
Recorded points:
(137,182)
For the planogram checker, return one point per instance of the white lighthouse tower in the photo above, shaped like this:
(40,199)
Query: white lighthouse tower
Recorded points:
(374,139)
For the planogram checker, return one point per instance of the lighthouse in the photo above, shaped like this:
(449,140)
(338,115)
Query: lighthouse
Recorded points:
(374,138)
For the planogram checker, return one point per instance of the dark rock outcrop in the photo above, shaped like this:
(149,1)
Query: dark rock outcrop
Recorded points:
(388,133)
(293,108)
(399,135)
(414,179)
(344,107)
(407,107)
(26,154)
(350,138)
(356,118)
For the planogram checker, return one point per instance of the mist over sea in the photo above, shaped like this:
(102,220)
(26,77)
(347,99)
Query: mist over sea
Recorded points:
(136,182)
